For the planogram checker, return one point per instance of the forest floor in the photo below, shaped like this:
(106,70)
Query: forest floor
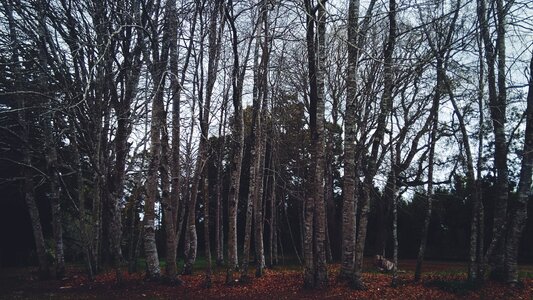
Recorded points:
(441,280)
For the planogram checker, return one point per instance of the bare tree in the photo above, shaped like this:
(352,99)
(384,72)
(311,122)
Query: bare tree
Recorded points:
(237,138)
(356,40)
(26,126)
(518,214)
(315,271)
(377,139)
(495,58)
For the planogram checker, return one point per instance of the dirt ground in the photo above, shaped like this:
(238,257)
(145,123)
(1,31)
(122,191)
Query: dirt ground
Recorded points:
(441,280)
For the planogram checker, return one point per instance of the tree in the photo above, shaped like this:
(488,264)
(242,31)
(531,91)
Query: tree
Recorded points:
(440,47)
(371,168)
(315,272)
(495,58)
(518,214)
(356,40)
(257,162)
(26,128)
(237,134)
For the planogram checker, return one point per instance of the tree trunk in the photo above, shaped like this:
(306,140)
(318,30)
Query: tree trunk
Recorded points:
(394,159)
(50,148)
(205,109)
(84,235)
(237,145)
(158,115)
(207,244)
(372,165)
(320,208)
(254,164)
(219,223)
(29,197)
(173,198)
(518,216)
(150,248)
(168,207)
(272,238)
(261,143)
(315,271)
(356,40)
(433,140)
(309,202)
(28,185)
(498,106)
(176,87)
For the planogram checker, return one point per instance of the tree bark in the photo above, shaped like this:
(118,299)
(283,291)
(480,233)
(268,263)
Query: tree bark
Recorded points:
(84,235)
(237,143)
(23,116)
(518,215)
(498,106)
(50,147)
(150,248)
(261,141)
(254,164)
(372,165)
(315,271)
(173,199)
(207,245)
(431,159)
(356,40)
(320,235)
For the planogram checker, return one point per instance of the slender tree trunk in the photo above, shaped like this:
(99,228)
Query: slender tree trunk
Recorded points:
(29,197)
(205,108)
(50,148)
(23,116)
(233,196)
(395,241)
(176,86)
(320,235)
(498,114)
(237,145)
(431,159)
(480,211)
(168,207)
(84,235)
(289,227)
(207,244)
(272,238)
(261,151)
(315,271)
(394,200)
(254,164)
(134,224)
(356,40)
(203,116)
(518,216)
(219,229)
(219,224)
(191,237)
(158,114)
(150,248)
(472,185)
(498,106)
(309,202)
(384,110)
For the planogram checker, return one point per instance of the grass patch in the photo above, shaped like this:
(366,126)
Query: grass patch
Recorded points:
(458,287)
(525,274)
(450,272)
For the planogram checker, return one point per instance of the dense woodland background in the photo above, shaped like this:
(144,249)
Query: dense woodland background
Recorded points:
(265,132)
